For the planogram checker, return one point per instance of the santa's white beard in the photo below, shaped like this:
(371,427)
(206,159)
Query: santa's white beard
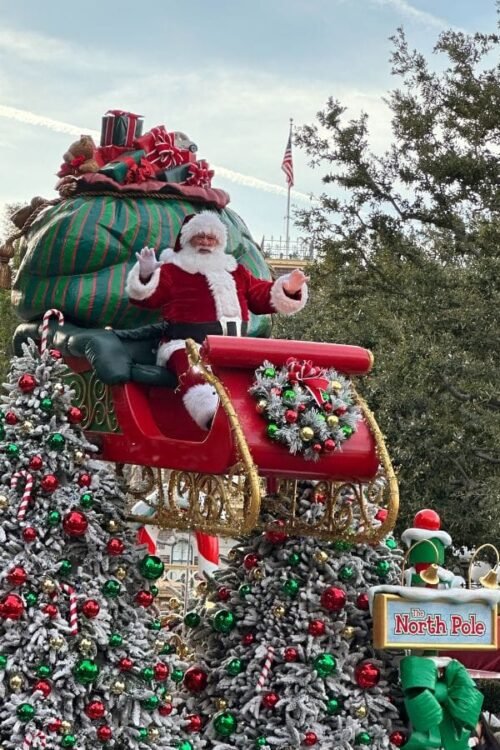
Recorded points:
(191,260)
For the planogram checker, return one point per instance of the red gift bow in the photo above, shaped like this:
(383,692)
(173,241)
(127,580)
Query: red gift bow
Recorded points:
(141,172)
(160,148)
(200,174)
(311,377)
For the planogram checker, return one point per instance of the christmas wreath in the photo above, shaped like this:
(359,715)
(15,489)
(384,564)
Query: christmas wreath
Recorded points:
(309,409)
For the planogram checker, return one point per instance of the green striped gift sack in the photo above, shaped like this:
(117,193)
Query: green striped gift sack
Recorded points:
(77,254)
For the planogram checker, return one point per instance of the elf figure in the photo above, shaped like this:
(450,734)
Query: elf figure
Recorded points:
(201,290)
(427,544)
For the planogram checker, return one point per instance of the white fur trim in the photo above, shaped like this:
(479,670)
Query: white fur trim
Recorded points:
(192,262)
(201,403)
(281,302)
(410,536)
(207,222)
(166,350)
(135,288)
(223,289)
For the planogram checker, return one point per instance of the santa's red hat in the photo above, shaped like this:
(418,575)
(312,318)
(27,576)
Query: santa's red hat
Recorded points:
(206,222)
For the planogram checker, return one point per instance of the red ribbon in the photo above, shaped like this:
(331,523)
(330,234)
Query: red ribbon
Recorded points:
(311,377)
(200,174)
(141,172)
(160,148)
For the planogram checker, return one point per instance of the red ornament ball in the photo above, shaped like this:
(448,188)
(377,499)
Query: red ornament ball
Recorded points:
(144,598)
(75,415)
(251,561)
(51,610)
(427,519)
(223,594)
(248,639)
(55,354)
(27,383)
(333,599)
(363,602)
(340,410)
(75,523)
(317,447)
(95,710)
(44,687)
(316,628)
(319,497)
(84,480)
(166,709)
(36,463)
(49,483)
(381,514)
(291,416)
(397,738)
(195,723)
(115,547)
(270,700)
(54,725)
(125,664)
(327,406)
(290,654)
(11,607)
(310,739)
(367,675)
(104,733)
(329,445)
(275,536)
(161,671)
(17,576)
(195,679)
(29,534)
(11,418)
(91,608)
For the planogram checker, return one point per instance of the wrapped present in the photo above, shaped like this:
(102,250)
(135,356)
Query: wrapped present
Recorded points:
(200,174)
(120,128)
(161,149)
(176,174)
(130,167)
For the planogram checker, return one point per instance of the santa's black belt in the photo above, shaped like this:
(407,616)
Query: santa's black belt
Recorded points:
(199,331)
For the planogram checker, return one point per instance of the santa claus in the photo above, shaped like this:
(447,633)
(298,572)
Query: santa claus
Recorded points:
(201,290)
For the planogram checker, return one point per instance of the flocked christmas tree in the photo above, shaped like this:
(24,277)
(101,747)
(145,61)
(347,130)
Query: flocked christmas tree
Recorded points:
(283,642)
(81,658)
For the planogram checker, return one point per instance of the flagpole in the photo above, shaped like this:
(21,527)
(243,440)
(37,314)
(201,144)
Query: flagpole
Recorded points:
(287,238)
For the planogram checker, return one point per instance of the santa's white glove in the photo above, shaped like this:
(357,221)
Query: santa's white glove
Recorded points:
(147,263)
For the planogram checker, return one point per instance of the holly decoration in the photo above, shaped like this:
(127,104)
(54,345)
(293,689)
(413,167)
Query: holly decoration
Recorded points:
(308,409)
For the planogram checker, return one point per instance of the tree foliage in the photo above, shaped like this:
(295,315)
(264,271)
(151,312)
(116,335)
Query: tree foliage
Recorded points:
(8,319)
(409,266)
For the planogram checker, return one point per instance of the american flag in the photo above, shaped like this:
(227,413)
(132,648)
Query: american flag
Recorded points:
(287,163)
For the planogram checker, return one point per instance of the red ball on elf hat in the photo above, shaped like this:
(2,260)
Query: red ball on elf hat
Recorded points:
(207,223)
(426,526)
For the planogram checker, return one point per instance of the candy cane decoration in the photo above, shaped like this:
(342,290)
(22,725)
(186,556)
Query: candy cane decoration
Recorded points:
(27,491)
(73,610)
(265,669)
(31,738)
(45,326)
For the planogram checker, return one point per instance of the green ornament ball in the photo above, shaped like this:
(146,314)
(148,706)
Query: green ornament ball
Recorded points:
(347,430)
(147,674)
(12,450)
(235,667)
(225,724)
(382,568)
(154,590)
(192,619)
(87,500)
(44,670)
(154,625)
(65,567)
(143,733)
(151,567)
(31,598)
(391,543)
(269,372)
(150,703)
(53,518)
(346,573)
(168,649)
(85,672)
(111,589)
(271,430)
(289,395)
(224,621)
(115,640)
(177,675)
(293,559)
(46,404)
(342,546)
(363,738)
(244,590)
(57,441)
(185,745)
(333,706)
(69,740)
(3,661)
(325,665)
(25,711)
(261,742)
(291,587)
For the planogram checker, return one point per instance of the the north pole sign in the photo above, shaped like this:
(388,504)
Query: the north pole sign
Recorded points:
(423,619)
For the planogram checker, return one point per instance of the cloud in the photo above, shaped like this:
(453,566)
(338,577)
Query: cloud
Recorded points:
(422,16)
(32,47)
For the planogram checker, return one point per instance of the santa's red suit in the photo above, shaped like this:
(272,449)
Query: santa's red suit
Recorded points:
(201,294)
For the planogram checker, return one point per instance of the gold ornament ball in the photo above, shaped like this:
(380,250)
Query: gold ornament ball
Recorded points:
(79,457)
(85,645)
(332,420)
(257,574)
(182,650)
(56,642)
(307,434)
(48,586)
(117,687)
(4,503)
(348,632)
(261,405)
(27,427)
(112,525)
(65,727)
(220,704)
(58,388)
(174,603)
(360,712)
(335,385)
(279,611)
(121,573)
(232,554)
(167,698)
(153,733)
(159,646)
(320,556)
(16,682)
(201,588)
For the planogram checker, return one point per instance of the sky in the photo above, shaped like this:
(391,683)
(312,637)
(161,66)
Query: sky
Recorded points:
(229,73)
